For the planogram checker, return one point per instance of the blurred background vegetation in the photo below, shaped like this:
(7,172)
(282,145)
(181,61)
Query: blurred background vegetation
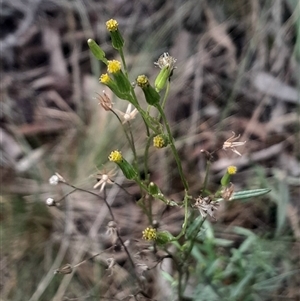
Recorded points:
(238,65)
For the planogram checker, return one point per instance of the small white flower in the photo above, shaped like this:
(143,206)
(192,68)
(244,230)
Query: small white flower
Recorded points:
(54,180)
(50,202)
(128,115)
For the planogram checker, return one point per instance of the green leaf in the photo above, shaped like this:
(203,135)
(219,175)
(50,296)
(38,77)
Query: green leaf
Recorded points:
(246,194)
(241,288)
(221,242)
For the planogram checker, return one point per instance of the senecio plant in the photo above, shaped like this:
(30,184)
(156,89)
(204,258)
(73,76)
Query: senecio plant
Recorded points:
(158,133)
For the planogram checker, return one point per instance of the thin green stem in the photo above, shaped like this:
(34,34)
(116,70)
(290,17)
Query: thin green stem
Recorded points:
(146,172)
(180,170)
(173,148)
(180,292)
(146,155)
(134,98)
(143,114)
(133,146)
(123,61)
(130,140)
(186,215)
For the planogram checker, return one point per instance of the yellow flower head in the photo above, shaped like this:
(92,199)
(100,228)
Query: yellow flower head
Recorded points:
(104,79)
(231,170)
(149,233)
(115,156)
(113,66)
(159,141)
(112,25)
(142,81)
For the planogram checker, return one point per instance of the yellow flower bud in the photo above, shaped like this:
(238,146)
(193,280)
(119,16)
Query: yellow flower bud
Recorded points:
(160,141)
(151,95)
(112,25)
(127,169)
(116,37)
(115,156)
(105,79)
(149,233)
(231,170)
(113,66)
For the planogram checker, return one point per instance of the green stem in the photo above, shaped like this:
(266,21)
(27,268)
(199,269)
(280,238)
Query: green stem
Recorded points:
(186,216)
(123,61)
(173,148)
(148,120)
(130,140)
(180,285)
(147,177)
(134,98)
(184,182)
(146,154)
(133,146)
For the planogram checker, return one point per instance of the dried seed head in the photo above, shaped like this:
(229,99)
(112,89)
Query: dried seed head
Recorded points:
(111,263)
(112,232)
(167,64)
(104,178)
(206,206)
(231,143)
(56,178)
(50,202)
(227,192)
(53,180)
(128,115)
(141,269)
(105,101)
(165,60)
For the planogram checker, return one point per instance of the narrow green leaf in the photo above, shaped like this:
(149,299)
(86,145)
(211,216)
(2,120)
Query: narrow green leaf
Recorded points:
(246,194)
